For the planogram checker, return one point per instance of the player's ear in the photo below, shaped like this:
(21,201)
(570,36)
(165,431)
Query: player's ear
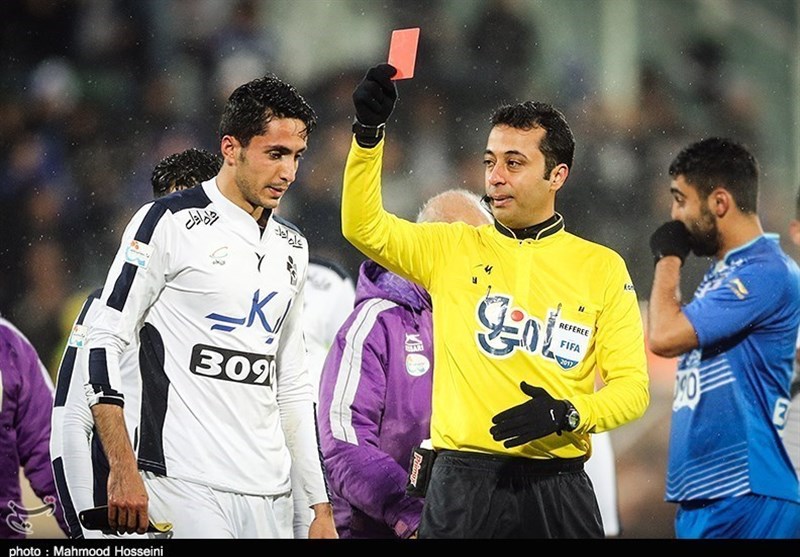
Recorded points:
(558,176)
(229,147)
(721,202)
(794,231)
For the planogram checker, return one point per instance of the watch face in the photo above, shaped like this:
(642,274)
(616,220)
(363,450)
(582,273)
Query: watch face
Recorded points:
(573,418)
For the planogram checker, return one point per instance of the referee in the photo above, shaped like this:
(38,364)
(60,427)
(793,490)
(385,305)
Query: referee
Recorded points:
(525,314)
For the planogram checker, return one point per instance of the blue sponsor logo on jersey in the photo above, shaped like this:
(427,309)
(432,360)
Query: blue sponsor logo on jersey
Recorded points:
(507,328)
(255,317)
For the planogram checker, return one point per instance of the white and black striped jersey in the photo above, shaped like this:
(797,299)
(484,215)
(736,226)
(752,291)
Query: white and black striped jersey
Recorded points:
(226,395)
(79,465)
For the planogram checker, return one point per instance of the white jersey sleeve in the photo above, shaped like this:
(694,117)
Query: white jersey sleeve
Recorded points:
(135,280)
(297,411)
(72,425)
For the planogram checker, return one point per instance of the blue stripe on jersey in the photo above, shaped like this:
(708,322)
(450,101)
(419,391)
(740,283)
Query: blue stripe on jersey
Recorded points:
(125,279)
(288,224)
(70,513)
(98,378)
(64,376)
(155,390)
(192,198)
(65,370)
(100,471)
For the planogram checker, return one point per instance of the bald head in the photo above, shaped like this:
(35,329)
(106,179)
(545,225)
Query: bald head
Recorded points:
(457,205)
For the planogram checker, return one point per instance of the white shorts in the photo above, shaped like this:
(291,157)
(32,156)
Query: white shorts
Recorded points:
(199,511)
(603,473)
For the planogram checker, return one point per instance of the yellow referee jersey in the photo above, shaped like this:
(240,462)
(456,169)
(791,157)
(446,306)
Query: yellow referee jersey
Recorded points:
(548,311)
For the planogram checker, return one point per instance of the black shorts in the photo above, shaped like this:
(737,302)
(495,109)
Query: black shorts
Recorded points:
(474,495)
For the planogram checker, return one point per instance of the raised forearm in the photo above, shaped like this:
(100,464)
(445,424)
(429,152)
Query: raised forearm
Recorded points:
(669,331)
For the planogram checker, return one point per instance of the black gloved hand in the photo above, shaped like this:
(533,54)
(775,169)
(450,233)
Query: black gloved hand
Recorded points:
(671,238)
(374,100)
(540,416)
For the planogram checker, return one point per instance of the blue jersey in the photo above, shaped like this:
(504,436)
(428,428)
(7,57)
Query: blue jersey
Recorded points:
(732,393)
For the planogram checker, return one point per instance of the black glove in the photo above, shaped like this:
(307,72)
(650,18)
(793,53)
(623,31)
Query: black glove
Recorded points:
(540,416)
(671,238)
(374,100)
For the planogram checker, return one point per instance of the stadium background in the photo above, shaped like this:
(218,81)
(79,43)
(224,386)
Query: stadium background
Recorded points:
(94,92)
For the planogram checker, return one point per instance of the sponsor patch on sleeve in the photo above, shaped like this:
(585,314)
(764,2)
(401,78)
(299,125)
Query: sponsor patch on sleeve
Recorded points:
(138,253)
(738,288)
(628,287)
(77,338)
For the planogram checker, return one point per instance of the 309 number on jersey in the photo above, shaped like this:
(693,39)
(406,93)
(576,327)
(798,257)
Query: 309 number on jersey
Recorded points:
(232,365)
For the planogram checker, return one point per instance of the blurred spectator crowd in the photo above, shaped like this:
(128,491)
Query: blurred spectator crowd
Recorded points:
(95,92)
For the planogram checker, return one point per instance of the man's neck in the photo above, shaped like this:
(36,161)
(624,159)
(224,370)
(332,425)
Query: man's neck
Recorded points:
(739,232)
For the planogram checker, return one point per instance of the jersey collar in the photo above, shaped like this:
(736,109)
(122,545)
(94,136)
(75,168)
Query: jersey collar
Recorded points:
(535,232)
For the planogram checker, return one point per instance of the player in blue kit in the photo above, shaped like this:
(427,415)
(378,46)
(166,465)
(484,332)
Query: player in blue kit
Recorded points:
(728,469)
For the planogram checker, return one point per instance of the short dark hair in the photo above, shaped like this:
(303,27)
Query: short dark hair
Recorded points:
(720,162)
(558,145)
(252,106)
(185,170)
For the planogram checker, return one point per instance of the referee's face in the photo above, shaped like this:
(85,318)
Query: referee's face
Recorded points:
(519,192)
(266,168)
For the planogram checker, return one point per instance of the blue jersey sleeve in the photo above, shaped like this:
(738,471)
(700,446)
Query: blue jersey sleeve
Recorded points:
(734,304)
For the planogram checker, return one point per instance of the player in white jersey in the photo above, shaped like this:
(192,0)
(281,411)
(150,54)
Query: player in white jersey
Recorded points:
(213,282)
(79,465)
(602,470)
(329,297)
(791,433)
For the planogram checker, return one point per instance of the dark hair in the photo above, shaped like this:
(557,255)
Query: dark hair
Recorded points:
(252,106)
(185,170)
(558,145)
(720,162)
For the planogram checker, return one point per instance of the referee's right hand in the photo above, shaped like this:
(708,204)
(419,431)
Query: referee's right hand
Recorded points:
(375,96)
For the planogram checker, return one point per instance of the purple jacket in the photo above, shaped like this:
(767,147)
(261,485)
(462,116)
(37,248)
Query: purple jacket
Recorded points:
(27,402)
(375,405)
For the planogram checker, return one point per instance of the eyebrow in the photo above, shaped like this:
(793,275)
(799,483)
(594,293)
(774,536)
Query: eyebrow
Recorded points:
(675,191)
(283,149)
(506,153)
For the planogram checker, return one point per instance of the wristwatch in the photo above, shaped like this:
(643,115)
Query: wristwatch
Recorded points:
(370,133)
(571,418)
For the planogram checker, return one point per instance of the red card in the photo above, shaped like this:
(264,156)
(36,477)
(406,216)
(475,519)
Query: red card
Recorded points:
(403,52)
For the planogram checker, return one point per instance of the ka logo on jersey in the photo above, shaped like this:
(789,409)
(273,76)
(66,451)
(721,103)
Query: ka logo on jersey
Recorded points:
(255,317)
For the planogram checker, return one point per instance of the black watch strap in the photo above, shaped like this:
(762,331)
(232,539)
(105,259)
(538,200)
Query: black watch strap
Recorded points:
(368,136)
